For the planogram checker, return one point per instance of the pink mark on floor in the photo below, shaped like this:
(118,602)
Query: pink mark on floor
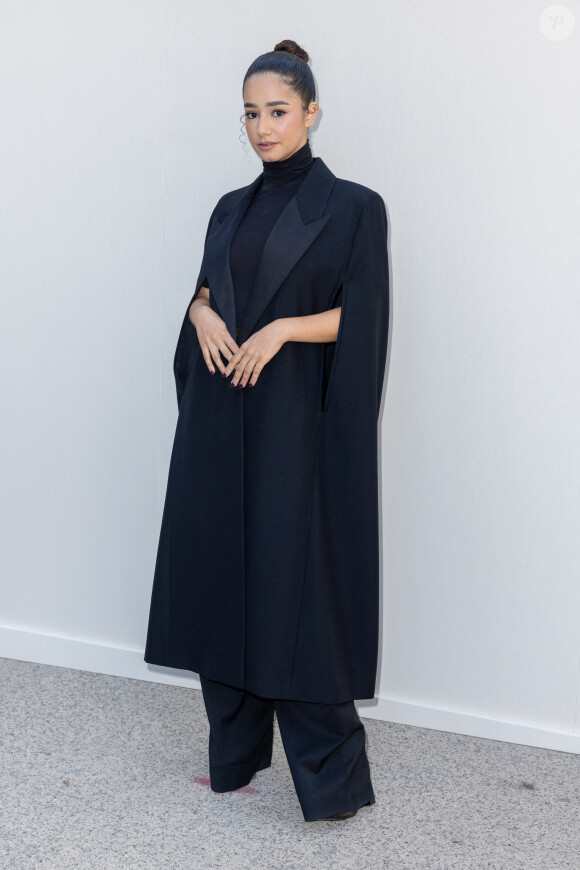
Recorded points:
(201,780)
(205,780)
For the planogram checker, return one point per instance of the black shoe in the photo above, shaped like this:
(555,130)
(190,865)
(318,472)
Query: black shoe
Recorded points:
(347,815)
(339,816)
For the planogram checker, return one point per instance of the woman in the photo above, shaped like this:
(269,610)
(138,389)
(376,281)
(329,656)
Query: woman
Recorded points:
(266,579)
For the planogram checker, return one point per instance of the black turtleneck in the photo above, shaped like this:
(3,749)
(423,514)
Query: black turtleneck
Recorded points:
(279,182)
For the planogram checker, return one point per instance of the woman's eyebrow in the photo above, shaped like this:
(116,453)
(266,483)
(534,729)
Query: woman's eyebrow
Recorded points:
(271,103)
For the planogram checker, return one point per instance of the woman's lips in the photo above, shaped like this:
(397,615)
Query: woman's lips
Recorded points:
(266,145)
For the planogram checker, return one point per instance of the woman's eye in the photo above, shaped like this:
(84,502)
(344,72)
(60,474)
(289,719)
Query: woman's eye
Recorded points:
(249,114)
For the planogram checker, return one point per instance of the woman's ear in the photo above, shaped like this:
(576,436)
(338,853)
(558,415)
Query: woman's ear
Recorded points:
(312,113)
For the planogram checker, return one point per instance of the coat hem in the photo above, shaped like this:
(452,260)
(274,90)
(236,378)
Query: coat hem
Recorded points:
(331,698)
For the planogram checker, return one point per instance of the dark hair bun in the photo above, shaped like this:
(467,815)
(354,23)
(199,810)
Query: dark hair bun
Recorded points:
(290,62)
(292,48)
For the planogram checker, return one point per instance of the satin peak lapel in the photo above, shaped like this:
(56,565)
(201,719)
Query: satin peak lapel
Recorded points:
(217,256)
(295,230)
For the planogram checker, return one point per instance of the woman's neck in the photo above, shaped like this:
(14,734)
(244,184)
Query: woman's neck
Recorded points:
(278,172)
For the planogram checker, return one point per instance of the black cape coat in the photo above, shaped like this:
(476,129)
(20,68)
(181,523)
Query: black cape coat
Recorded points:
(267,570)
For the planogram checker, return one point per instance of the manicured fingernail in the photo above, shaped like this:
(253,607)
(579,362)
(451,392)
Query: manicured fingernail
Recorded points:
(224,375)
(232,385)
(212,371)
(251,384)
(240,386)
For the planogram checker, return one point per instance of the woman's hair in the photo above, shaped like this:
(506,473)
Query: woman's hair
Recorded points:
(290,62)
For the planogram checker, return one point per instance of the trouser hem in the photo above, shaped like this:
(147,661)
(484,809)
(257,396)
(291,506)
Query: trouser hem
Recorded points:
(234,777)
(316,812)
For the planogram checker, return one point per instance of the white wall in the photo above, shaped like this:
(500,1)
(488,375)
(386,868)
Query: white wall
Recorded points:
(120,131)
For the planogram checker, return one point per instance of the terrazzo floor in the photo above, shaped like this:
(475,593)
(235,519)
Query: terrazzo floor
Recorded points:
(107,773)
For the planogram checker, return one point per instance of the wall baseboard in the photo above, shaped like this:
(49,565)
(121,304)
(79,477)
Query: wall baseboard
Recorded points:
(68,652)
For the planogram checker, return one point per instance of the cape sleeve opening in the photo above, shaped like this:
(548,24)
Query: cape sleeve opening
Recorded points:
(186,344)
(331,350)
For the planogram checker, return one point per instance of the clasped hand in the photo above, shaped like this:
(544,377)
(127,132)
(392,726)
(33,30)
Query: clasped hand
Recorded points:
(247,360)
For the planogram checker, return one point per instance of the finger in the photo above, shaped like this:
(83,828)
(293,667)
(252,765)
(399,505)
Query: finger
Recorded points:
(212,349)
(217,358)
(243,377)
(222,350)
(234,360)
(208,359)
(231,342)
(230,352)
(255,374)
(238,375)
(226,343)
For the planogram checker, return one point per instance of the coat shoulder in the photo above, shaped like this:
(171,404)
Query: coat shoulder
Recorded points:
(358,194)
(228,199)
(353,199)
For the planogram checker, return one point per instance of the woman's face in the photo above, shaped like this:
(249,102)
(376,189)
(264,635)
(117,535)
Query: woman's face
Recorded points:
(274,116)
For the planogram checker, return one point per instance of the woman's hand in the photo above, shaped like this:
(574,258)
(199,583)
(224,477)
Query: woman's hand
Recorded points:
(212,333)
(255,352)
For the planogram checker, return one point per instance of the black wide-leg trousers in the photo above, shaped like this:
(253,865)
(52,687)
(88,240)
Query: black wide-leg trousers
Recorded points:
(324,745)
